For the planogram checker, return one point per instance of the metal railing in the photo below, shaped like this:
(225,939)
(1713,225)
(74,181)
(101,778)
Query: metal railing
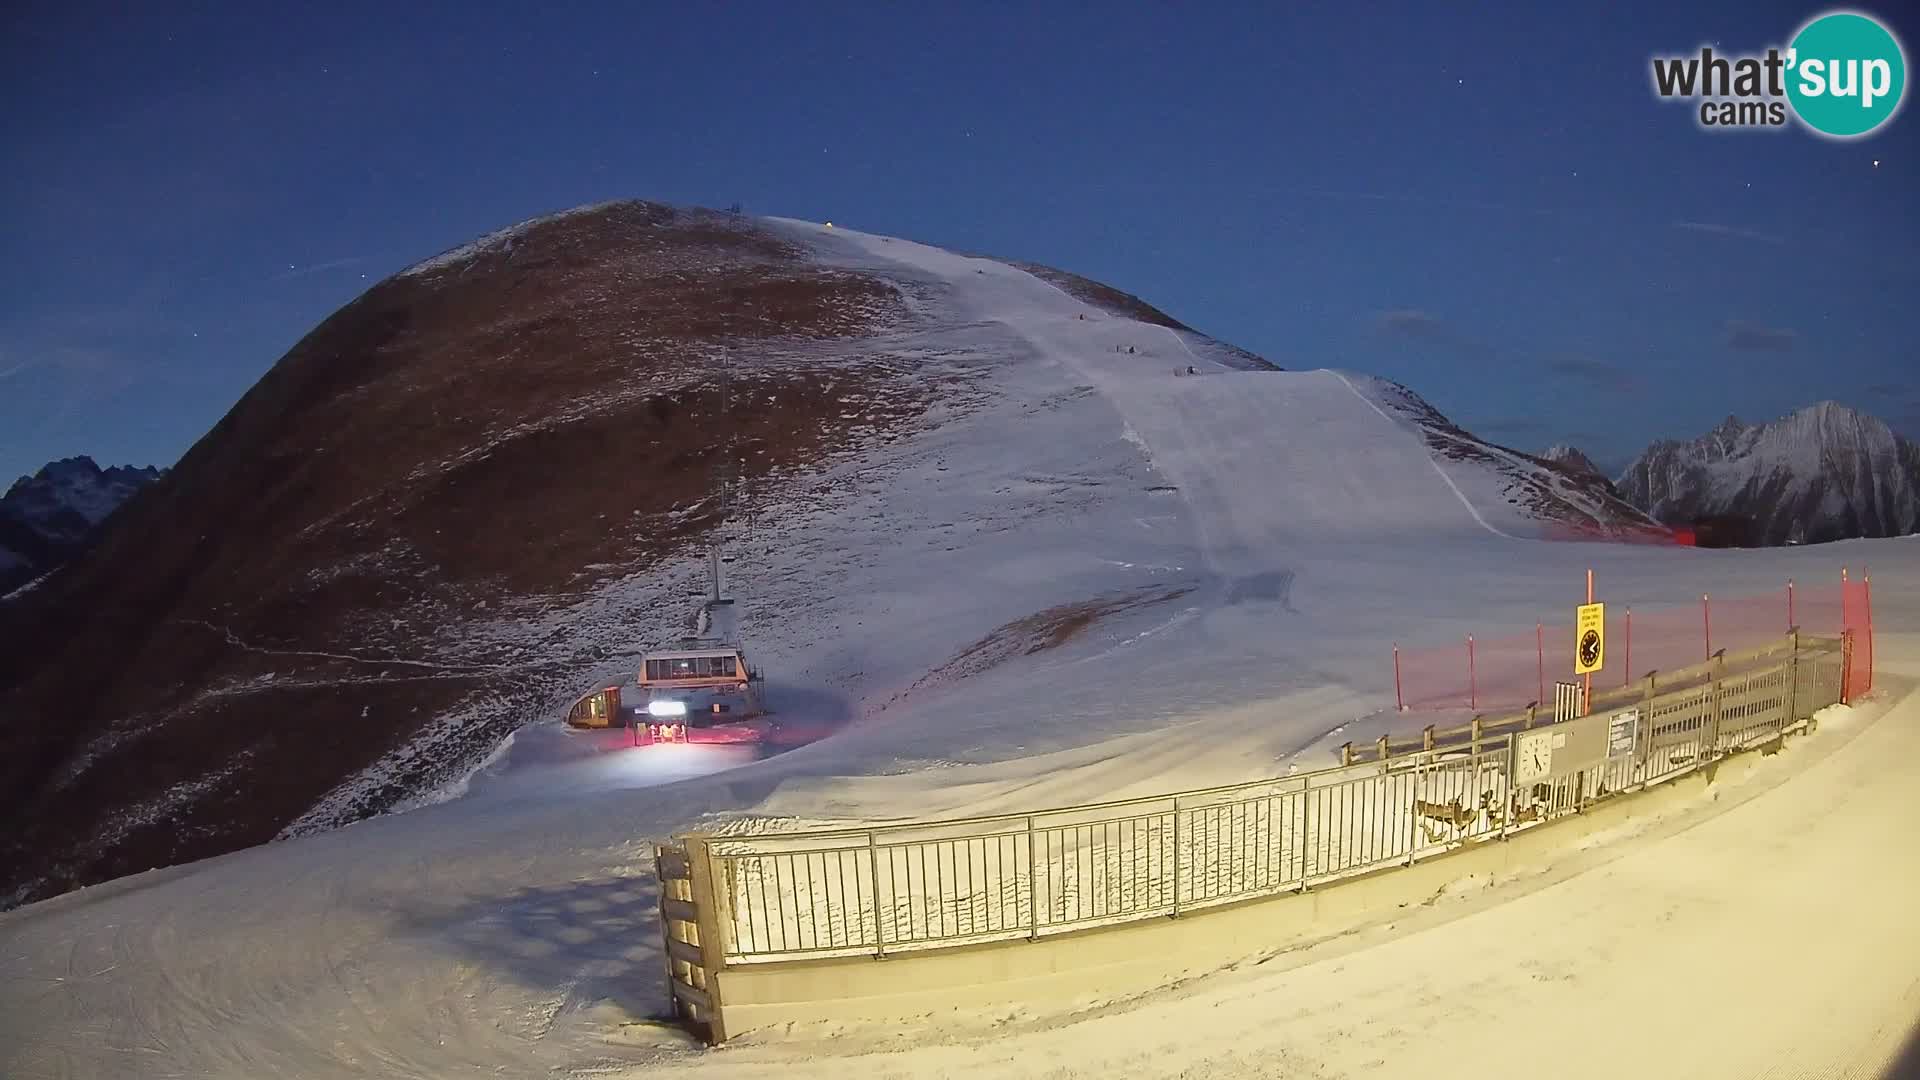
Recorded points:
(1722,665)
(900,888)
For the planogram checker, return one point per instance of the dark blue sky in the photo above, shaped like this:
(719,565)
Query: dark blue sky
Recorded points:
(1492,208)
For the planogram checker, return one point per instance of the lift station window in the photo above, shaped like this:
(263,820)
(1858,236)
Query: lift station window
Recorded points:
(693,667)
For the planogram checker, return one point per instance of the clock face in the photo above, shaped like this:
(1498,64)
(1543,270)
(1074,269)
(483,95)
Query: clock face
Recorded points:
(1589,648)
(1534,757)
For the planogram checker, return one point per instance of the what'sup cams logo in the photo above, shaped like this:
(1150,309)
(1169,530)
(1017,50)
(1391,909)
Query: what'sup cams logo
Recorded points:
(1842,76)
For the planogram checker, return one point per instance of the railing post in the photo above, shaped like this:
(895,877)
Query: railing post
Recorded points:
(1713,712)
(1791,622)
(873,870)
(1475,735)
(1513,789)
(1540,659)
(1176,856)
(1706,620)
(1399,699)
(1644,749)
(1033,885)
(1306,828)
(1473,679)
(1846,666)
(1346,753)
(1866,601)
(1426,738)
(1381,749)
(1413,820)
(1626,668)
(1793,678)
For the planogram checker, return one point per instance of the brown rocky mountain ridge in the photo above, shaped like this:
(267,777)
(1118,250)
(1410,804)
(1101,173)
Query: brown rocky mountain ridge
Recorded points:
(366,555)
(491,429)
(315,588)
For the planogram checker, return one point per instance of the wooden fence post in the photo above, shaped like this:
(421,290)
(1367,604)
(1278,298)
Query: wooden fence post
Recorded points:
(713,953)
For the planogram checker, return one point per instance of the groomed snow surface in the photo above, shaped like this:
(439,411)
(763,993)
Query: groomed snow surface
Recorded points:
(510,929)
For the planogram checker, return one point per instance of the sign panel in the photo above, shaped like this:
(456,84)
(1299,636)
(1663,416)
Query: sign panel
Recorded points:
(1589,638)
(1560,751)
(1623,733)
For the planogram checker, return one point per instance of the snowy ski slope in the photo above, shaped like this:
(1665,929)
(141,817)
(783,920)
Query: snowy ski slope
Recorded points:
(511,931)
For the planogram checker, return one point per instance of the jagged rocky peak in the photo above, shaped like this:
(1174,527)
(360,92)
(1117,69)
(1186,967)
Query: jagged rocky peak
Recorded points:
(51,517)
(72,481)
(1570,458)
(1823,472)
(79,485)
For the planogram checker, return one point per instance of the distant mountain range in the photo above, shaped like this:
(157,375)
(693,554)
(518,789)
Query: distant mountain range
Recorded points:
(1826,472)
(50,518)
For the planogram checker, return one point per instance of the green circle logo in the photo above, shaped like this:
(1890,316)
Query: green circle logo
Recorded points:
(1846,74)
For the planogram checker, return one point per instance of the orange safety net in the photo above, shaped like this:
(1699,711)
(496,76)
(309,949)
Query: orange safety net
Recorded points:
(1511,670)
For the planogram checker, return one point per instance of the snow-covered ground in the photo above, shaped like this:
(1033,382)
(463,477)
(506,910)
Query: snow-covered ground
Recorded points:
(1286,526)
(1767,930)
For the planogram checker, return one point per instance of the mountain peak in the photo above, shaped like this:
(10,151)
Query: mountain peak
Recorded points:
(1826,471)
(49,518)
(1570,458)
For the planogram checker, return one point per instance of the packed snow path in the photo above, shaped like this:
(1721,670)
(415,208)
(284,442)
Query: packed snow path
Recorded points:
(1268,461)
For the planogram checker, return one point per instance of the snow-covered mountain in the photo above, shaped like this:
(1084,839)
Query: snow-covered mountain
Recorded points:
(1557,502)
(1571,458)
(1825,472)
(1011,556)
(482,488)
(51,517)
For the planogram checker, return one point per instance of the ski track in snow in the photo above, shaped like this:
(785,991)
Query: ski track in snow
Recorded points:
(1437,470)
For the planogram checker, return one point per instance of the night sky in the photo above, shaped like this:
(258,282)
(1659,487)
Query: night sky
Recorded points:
(1492,208)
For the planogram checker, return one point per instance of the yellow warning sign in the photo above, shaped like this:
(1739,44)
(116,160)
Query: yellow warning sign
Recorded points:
(1589,639)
